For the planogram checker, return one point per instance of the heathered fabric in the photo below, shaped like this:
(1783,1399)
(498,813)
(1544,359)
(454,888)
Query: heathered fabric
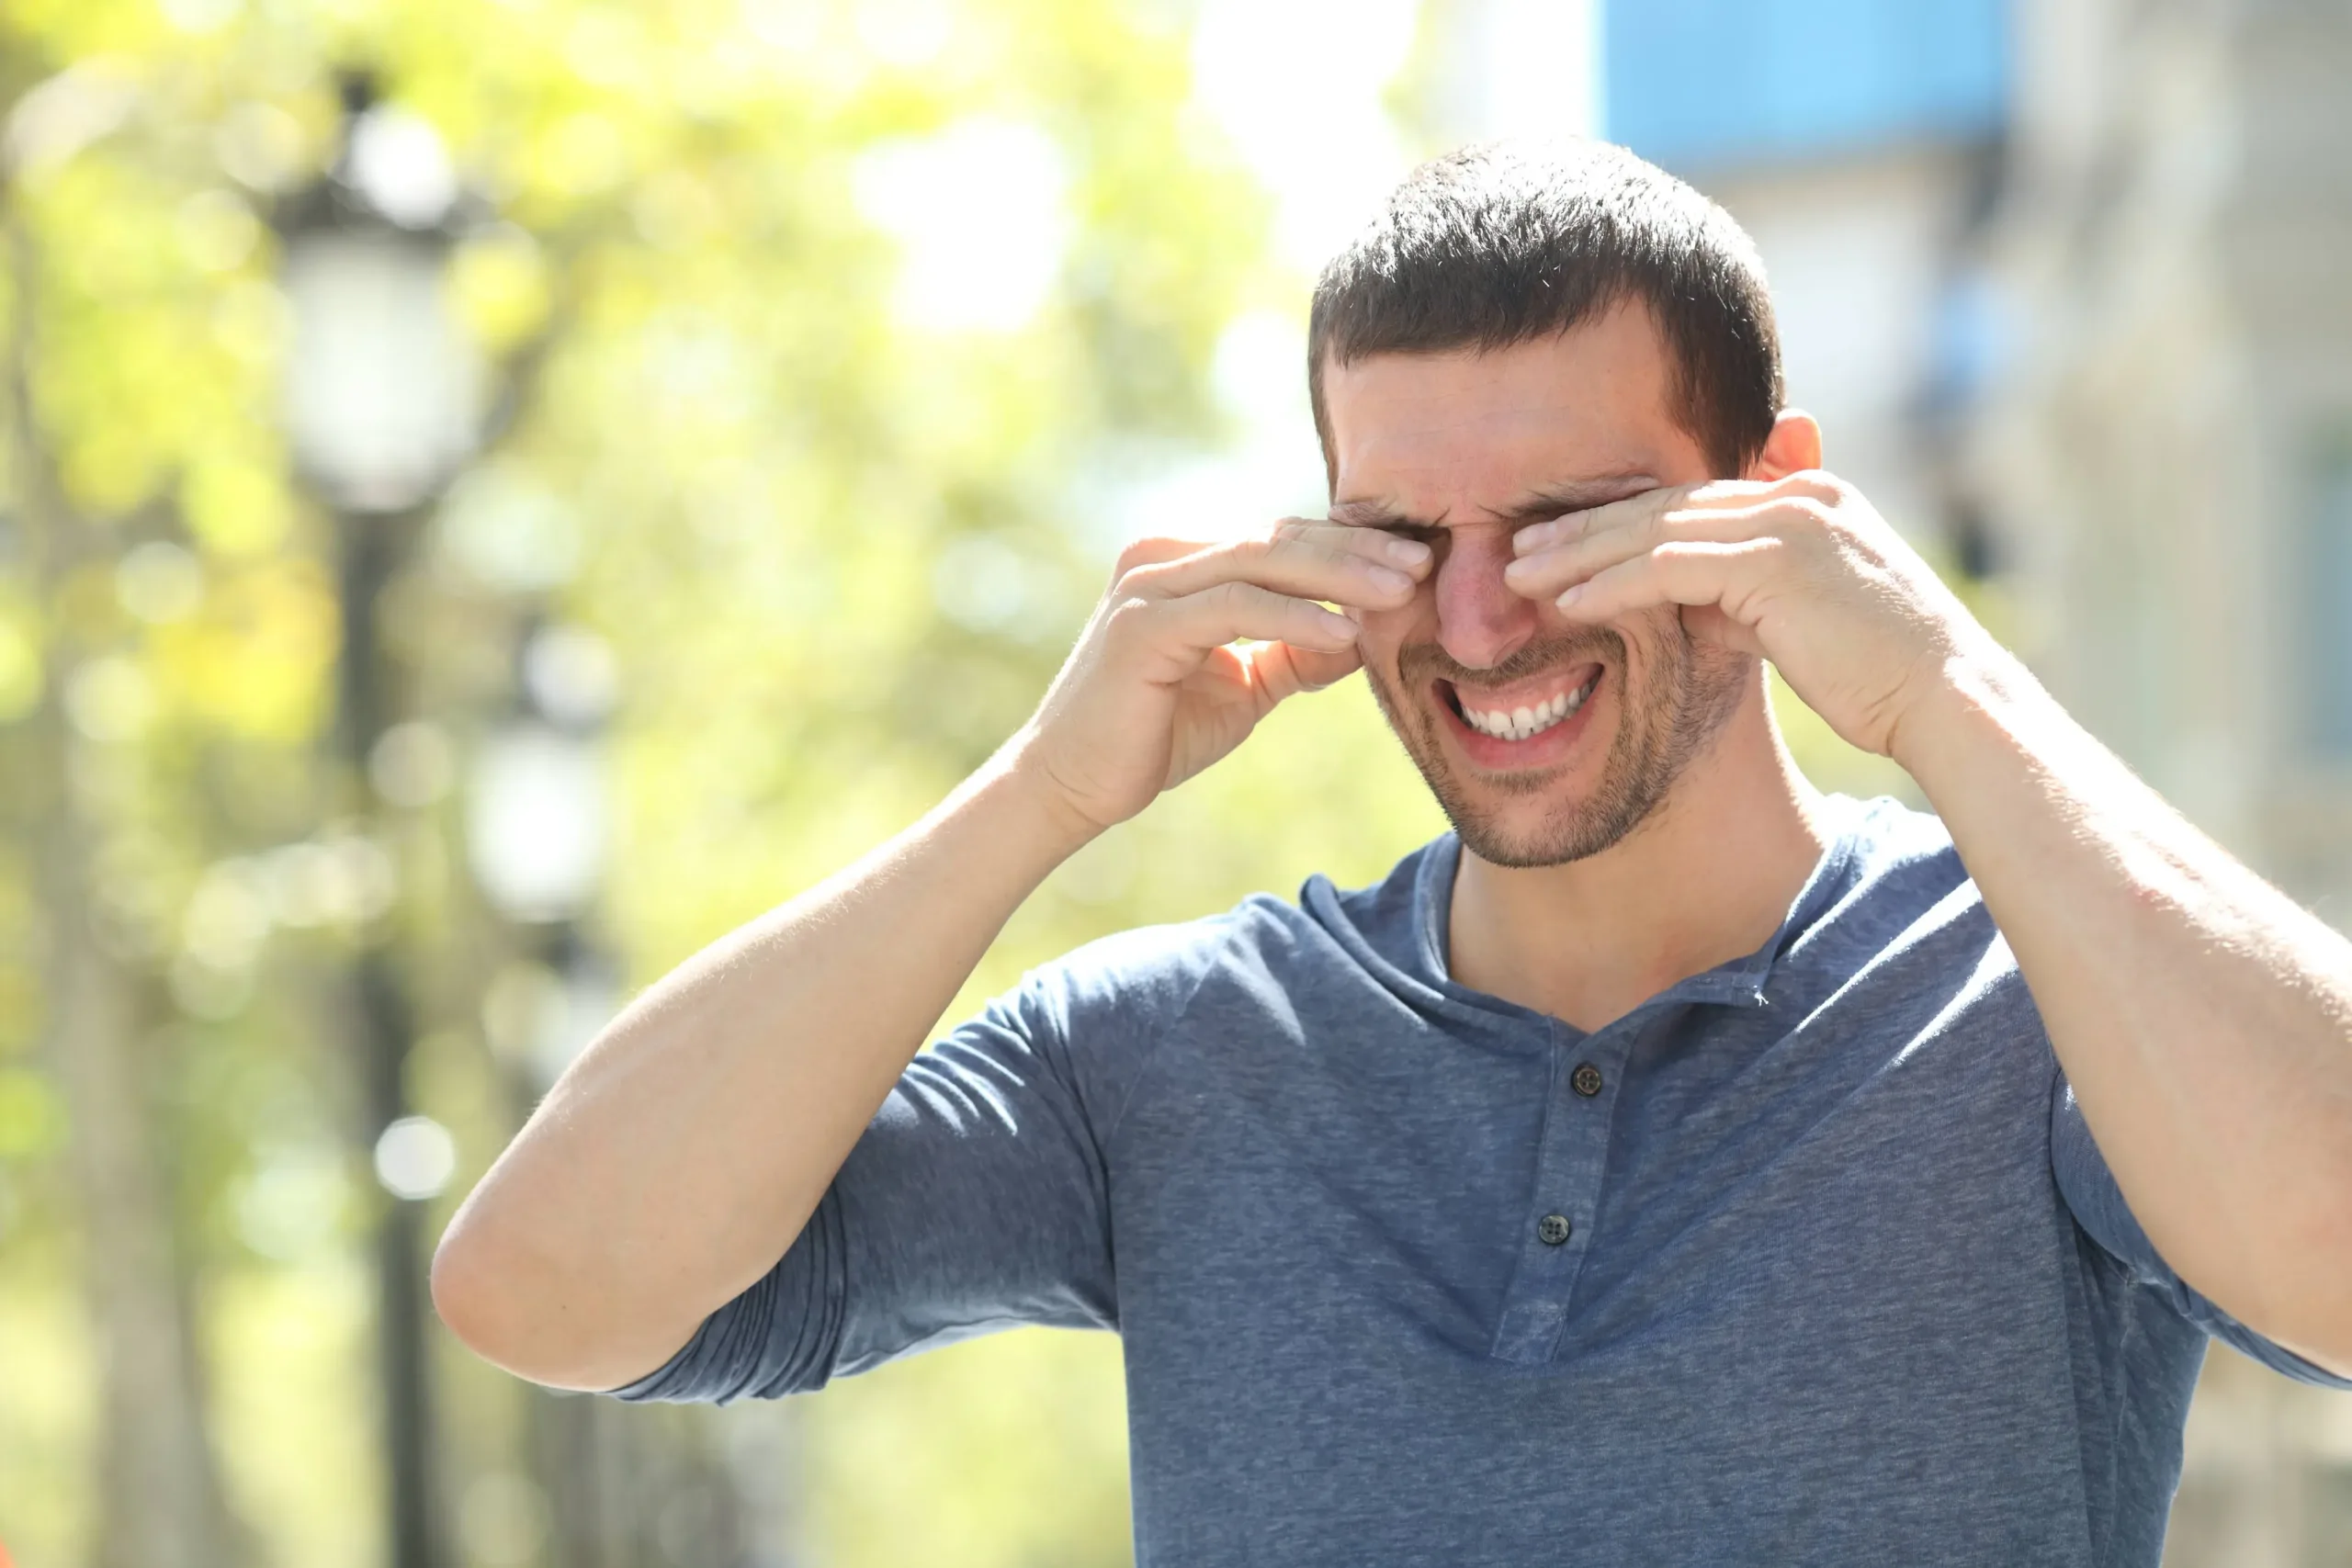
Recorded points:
(1847,1282)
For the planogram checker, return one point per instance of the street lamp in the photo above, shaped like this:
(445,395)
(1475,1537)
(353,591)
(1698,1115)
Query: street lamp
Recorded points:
(383,401)
(382,409)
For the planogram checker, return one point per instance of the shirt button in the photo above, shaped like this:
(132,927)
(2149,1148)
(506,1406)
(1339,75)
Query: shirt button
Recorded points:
(1552,1229)
(1585,1079)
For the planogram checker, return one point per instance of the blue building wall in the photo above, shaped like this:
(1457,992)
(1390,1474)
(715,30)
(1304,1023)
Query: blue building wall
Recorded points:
(1696,85)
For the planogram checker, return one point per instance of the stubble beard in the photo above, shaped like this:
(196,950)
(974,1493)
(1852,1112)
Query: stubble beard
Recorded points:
(1689,692)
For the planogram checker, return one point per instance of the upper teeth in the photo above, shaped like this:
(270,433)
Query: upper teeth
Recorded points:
(1518,723)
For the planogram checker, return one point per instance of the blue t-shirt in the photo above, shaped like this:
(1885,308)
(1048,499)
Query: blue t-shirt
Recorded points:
(1810,1259)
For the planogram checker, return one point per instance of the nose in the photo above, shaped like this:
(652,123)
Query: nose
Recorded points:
(1480,621)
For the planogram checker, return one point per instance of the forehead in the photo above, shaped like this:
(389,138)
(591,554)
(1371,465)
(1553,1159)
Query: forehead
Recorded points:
(1456,436)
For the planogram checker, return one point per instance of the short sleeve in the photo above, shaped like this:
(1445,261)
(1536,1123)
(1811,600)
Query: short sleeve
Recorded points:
(2098,1206)
(977,1199)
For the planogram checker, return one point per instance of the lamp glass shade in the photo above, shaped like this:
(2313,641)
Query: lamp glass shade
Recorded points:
(383,387)
(534,830)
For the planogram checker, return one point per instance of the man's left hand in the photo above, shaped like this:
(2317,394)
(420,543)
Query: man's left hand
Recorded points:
(1801,570)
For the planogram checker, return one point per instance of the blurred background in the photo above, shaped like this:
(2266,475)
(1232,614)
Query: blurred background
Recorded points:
(495,492)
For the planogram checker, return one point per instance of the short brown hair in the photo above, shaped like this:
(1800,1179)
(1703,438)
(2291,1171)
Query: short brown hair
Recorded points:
(1507,242)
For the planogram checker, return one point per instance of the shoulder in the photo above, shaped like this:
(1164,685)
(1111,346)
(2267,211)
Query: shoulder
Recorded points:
(1904,869)
(1154,969)
(1896,843)
(1158,971)
(1897,908)
(1100,1017)
(1263,952)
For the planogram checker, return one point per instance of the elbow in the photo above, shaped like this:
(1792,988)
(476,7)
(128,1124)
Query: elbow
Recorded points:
(510,1308)
(467,1297)
(2331,1351)
(482,1297)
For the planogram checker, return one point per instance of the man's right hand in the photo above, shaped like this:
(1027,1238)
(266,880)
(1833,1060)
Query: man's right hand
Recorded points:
(1156,688)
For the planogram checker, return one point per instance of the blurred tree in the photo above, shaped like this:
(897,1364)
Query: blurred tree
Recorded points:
(154,1462)
(100,865)
(840,308)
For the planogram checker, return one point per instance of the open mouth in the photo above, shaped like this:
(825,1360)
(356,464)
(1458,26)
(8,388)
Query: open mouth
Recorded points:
(1526,710)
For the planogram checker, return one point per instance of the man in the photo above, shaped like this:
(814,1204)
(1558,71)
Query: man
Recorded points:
(1669,1165)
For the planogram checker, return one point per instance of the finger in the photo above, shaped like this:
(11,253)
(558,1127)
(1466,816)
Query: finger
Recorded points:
(1648,505)
(1318,560)
(1684,573)
(1634,511)
(1228,611)
(1377,545)
(1733,493)
(1280,670)
(1544,573)
(1156,549)
(1304,560)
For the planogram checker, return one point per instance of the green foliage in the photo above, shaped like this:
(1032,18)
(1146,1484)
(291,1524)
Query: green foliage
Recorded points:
(837,551)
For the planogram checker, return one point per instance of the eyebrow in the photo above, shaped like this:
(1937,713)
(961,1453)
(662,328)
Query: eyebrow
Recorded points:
(1535,506)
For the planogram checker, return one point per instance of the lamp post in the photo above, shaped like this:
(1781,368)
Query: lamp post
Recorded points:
(535,835)
(382,409)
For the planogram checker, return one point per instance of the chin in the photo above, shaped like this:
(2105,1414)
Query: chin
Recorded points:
(1543,816)
(1565,824)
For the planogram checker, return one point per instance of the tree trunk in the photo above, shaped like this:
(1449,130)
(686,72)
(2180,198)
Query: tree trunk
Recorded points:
(158,1500)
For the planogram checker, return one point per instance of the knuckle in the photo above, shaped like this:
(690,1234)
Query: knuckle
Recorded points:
(1812,512)
(1147,551)
(1130,618)
(1337,558)
(1231,598)
(1144,582)
(1253,554)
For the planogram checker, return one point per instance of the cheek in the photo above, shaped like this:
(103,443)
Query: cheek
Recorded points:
(1385,631)
(1655,636)
(1656,649)
(1386,635)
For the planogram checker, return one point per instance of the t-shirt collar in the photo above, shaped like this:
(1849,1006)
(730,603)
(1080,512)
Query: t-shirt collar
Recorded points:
(1740,982)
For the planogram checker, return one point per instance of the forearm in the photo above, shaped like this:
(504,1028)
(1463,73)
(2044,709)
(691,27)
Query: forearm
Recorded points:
(2203,1018)
(680,1156)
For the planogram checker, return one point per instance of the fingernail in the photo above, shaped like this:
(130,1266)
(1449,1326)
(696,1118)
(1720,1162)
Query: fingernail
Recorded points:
(1407,552)
(1514,571)
(1337,625)
(1533,536)
(1387,580)
(1569,598)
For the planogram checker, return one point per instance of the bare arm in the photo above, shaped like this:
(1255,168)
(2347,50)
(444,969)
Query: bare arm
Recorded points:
(682,1154)
(2203,1018)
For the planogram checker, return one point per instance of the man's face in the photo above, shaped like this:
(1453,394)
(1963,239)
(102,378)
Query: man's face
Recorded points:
(1460,450)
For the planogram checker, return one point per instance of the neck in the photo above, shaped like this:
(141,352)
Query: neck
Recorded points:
(1707,877)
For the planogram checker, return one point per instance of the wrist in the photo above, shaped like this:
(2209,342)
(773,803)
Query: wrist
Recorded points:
(1021,801)
(1958,692)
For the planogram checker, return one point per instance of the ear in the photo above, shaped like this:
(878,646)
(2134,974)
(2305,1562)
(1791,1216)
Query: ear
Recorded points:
(1794,447)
